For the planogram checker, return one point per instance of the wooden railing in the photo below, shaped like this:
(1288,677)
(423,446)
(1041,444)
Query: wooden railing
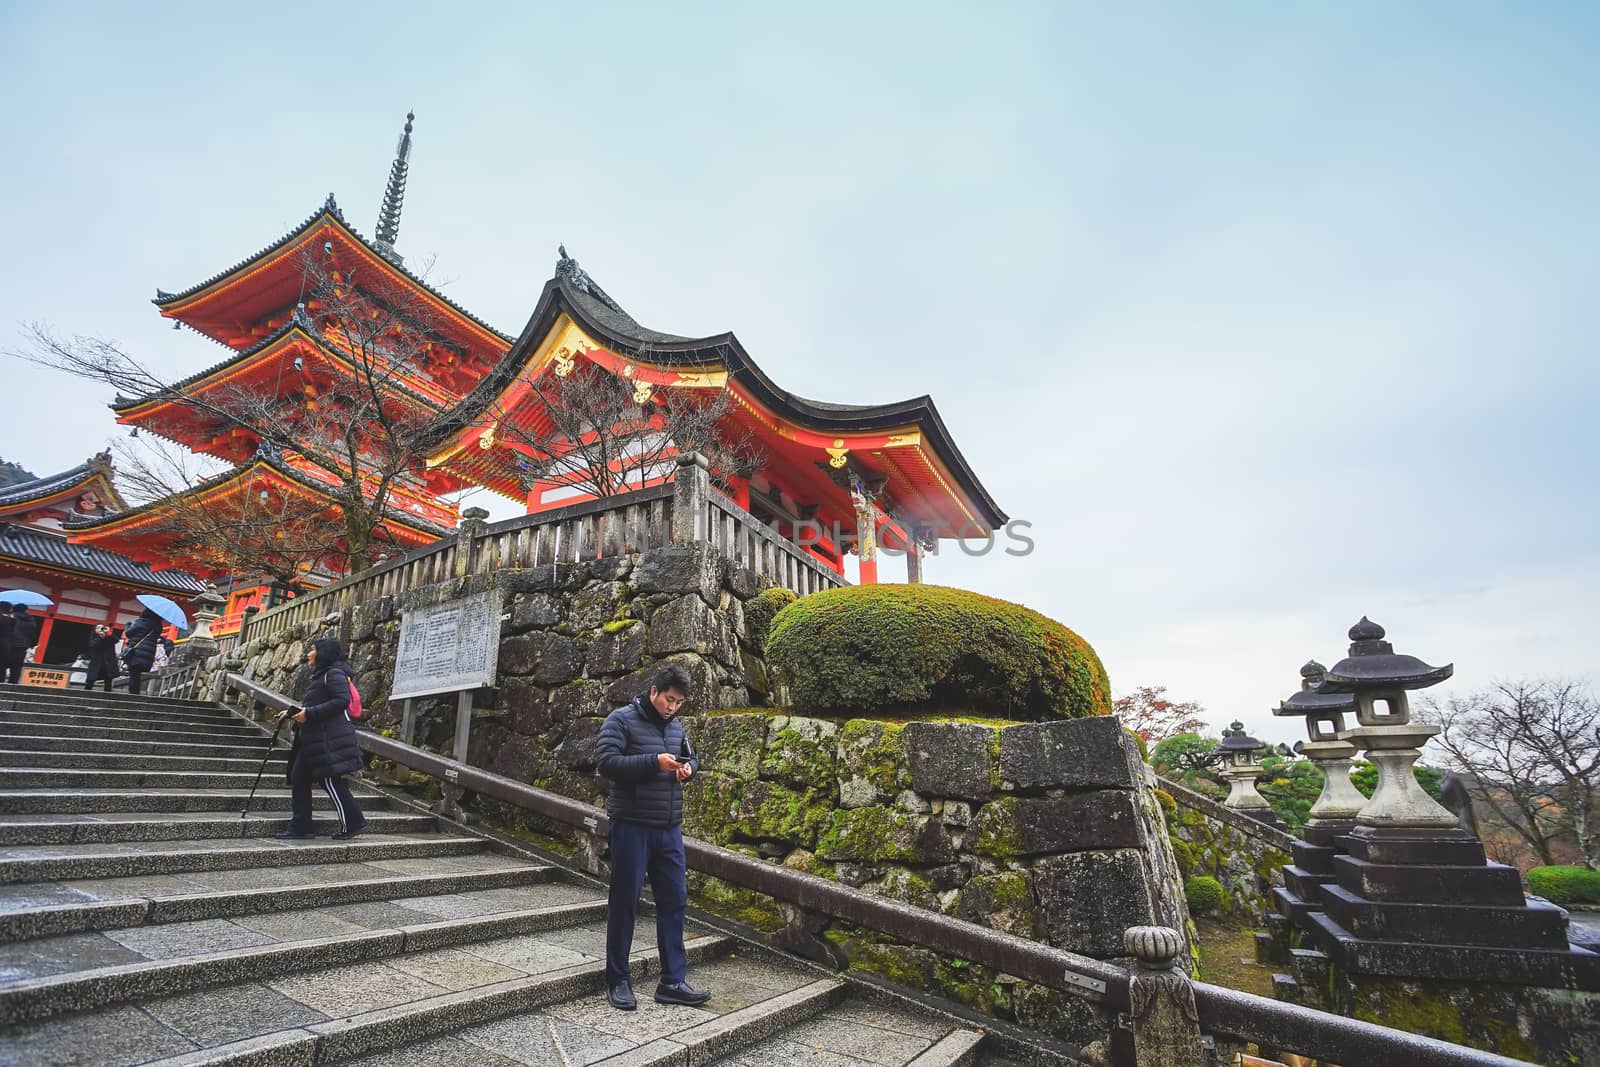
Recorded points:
(684,511)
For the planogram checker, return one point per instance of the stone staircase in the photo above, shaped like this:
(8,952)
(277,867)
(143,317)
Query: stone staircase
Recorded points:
(142,922)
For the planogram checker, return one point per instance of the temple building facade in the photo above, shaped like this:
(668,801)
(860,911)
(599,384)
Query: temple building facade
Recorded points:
(88,584)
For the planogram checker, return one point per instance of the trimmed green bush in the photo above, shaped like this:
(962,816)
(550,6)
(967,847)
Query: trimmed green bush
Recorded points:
(760,610)
(1183,853)
(1566,885)
(888,649)
(1204,894)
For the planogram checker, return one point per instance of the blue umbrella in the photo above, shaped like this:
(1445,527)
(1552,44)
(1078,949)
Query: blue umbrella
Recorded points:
(165,608)
(27,597)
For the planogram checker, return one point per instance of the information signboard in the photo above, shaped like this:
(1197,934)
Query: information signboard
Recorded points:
(449,647)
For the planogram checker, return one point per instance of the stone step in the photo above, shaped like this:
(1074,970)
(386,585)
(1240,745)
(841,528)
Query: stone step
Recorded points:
(158,734)
(181,826)
(99,723)
(271,797)
(47,863)
(121,709)
(12,778)
(28,695)
(160,960)
(106,761)
(339,1011)
(857,1031)
(243,748)
(47,909)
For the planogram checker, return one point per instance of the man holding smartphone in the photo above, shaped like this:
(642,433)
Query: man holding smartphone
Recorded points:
(645,754)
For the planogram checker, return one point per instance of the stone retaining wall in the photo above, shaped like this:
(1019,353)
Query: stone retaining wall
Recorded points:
(1245,855)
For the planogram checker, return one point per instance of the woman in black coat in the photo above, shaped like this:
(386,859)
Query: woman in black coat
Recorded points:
(102,657)
(143,635)
(325,748)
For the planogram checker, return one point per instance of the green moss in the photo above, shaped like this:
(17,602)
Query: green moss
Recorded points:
(1184,855)
(800,752)
(710,806)
(760,610)
(1475,1017)
(1204,894)
(733,902)
(999,829)
(876,834)
(884,649)
(772,812)
(1169,807)
(874,751)
(616,625)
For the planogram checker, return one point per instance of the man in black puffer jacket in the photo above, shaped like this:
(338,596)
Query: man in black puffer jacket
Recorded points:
(647,757)
(325,748)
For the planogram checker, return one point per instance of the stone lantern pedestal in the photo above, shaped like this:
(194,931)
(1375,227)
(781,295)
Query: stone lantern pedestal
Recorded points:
(1416,916)
(1240,769)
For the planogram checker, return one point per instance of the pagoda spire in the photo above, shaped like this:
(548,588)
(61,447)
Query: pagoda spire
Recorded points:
(394,196)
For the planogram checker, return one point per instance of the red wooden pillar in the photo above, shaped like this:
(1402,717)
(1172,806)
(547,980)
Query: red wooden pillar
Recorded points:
(44,634)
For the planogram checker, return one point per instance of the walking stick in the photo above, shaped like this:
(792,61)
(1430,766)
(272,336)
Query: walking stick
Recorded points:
(244,812)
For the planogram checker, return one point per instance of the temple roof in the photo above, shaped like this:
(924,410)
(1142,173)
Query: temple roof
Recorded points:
(122,405)
(261,462)
(574,292)
(329,213)
(33,546)
(97,469)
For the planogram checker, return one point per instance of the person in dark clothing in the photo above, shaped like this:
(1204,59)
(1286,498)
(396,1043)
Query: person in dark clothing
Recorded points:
(644,752)
(102,657)
(20,632)
(144,634)
(325,748)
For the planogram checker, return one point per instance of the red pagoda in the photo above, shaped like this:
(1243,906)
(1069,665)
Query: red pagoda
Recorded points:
(836,479)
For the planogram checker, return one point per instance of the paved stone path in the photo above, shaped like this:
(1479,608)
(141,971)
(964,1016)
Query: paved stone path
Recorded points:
(141,922)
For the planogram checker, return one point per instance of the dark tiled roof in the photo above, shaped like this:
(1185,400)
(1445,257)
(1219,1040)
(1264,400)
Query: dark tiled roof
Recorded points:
(23,492)
(32,546)
(329,208)
(177,390)
(592,308)
(415,522)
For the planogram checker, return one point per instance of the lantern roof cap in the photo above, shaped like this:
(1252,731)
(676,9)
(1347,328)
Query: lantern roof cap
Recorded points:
(1234,739)
(1374,664)
(1312,701)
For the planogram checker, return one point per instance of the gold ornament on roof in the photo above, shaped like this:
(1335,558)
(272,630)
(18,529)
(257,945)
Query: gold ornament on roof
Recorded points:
(641,392)
(486,441)
(838,456)
(563,362)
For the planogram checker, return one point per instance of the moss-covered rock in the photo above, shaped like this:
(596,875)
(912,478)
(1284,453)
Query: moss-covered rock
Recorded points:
(711,806)
(800,751)
(880,835)
(732,743)
(1001,901)
(879,649)
(771,812)
(872,762)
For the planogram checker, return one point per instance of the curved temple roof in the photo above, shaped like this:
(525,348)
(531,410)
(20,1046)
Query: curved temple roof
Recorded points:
(574,293)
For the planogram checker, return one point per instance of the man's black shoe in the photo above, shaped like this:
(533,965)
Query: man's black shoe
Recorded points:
(680,993)
(621,997)
(289,833)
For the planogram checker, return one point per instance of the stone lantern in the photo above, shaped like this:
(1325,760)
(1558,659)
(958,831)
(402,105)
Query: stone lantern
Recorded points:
(206,605)
(1240,768)
(1340,801)
(1379,679)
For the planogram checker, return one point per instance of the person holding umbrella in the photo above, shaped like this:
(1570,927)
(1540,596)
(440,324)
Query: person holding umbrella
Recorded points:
(17,631)
(147,633)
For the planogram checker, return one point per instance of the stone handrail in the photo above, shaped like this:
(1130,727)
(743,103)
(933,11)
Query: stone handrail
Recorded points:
(1158,1002)
(1188,798)
(740,536)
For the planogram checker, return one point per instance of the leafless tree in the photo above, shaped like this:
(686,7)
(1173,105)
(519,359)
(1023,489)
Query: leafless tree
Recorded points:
(606,434)
(1530,752)
(350,413)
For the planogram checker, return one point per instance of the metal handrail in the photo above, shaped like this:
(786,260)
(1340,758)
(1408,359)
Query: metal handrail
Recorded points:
(1244,1016)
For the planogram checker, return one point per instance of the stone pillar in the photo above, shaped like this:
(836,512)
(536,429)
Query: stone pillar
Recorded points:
(1166,1023)
(691,497)
(245,619)
(467,533)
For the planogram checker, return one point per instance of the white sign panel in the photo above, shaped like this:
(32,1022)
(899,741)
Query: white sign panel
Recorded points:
(448,647)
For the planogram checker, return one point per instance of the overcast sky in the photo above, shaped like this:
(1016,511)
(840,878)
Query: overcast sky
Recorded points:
(1265,316)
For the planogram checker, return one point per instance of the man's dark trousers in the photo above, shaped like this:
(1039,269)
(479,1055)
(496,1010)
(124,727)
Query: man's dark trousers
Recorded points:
(636,851)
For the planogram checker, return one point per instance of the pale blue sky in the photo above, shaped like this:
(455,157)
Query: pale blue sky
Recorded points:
(1266,316)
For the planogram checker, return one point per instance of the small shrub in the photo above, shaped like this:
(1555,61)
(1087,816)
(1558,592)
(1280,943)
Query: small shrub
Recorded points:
(1183,852)
(1169,807)
(1138,739)
(885,649)
(1566,885)
(1204,894)
(760,610)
